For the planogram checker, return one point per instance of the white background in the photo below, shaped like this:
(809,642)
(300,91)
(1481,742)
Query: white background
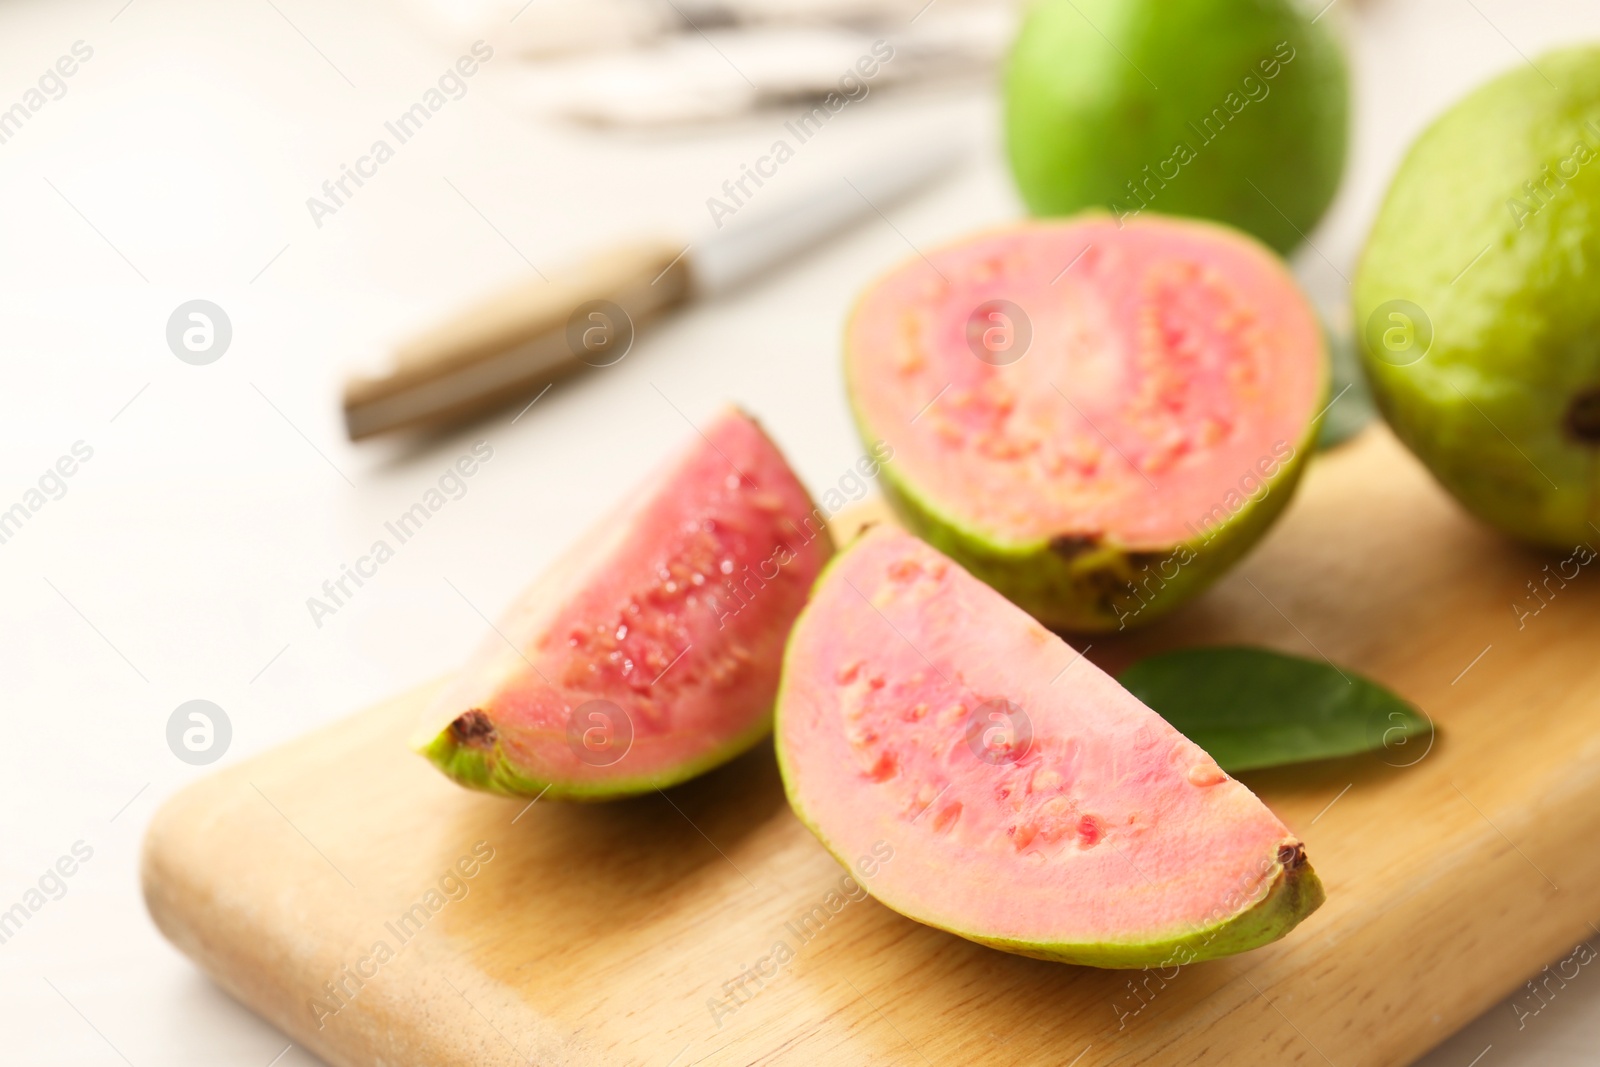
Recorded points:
(219,498)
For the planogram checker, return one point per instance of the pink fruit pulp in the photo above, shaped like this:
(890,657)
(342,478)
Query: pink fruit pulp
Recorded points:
(674,610)
(1083,827)
(1170,360)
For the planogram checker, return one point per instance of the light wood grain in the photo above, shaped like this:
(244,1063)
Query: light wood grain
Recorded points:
(598,934)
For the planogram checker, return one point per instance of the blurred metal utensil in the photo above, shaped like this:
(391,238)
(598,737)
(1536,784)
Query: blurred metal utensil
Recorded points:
(519,341)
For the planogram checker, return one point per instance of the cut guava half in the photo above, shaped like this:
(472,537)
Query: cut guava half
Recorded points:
(651,652)
(1027,800)
(1095,419)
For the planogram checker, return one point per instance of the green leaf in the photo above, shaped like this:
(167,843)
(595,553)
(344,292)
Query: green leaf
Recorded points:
(1251,708)
(1349,400)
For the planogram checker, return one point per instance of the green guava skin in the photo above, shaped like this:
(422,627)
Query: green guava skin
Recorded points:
(1294,893)
(1089,592)
(1083,118)
(1508,281)
(491,771)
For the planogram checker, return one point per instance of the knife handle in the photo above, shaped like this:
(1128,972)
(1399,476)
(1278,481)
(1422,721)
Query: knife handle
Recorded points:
(519,340)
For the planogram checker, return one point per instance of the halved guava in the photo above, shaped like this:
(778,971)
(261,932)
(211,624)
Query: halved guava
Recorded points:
(651,652)
(1095,419)
(1025,799)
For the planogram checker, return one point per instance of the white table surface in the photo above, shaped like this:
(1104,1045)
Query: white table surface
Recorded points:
(218,498)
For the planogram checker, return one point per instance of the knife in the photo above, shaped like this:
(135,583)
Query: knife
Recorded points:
(521,340)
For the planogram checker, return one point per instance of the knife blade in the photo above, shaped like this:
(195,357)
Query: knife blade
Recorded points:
(520,340)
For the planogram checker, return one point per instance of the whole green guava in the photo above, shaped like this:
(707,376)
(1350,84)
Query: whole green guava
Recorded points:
(1478,299)
(1234,110)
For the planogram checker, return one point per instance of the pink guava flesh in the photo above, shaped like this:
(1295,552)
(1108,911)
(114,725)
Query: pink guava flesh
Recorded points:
(652,651)
(1169,362)
(1030,801)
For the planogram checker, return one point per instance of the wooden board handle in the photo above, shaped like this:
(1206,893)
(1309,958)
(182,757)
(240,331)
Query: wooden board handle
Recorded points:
(519,340)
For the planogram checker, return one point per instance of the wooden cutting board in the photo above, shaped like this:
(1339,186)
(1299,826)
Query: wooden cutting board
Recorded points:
(647,932)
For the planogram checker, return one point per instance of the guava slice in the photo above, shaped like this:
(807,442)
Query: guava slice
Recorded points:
(1234,110)
(1475,300)
(1096,420)
(651,652)
(1023,798)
